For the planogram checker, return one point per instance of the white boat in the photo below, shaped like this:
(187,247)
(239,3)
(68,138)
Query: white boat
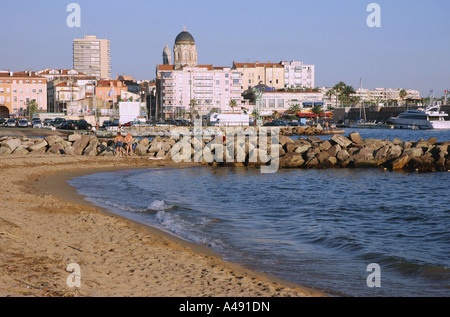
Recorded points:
(361,124)
(431,118)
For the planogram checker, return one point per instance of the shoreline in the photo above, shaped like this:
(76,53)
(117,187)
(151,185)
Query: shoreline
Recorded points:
(70,228)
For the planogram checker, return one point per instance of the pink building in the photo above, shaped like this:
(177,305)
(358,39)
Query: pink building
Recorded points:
(209,88)
(17,89)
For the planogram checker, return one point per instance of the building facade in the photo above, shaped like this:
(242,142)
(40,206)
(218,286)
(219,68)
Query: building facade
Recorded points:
(282,101)
(298,75)
(92,56)
(254,74)
(198,90)
(110,90)
(184,51)
(17,89)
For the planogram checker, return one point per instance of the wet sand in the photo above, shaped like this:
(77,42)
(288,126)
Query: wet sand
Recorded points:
(45,226)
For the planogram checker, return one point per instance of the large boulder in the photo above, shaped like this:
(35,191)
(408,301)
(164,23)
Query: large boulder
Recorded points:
(12,143)
(400,162)
(140,149)
(5,150)
(91,149)
(20,150)
(291,160)
(80,144)
(341,140)
(302,148)
(38,146)
(74,137)
(56,148)
(52,139)
(355,137)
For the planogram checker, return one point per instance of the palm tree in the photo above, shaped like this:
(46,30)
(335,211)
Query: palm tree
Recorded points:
(346,94)
(32,107)
(233,104)
(192,104)
(402,94)
(294,109)
(338,90)
(317,109)
(330,93)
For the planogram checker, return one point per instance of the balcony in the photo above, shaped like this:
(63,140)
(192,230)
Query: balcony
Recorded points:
(210,84)
(204,77)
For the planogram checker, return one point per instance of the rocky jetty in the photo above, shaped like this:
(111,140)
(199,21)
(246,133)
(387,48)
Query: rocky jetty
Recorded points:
(354,152)
(167,131)
(311,152)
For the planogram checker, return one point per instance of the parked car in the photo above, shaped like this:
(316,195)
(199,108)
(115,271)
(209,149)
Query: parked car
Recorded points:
(78,125)
(57,122)
(36,123)
(67,124)
(106,124)
(173,122)
(22,123)
(2,121)
(184,123)
(11,122)
(46,122)
(276,123)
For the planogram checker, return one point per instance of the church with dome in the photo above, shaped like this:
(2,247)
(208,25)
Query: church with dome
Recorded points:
(184,52)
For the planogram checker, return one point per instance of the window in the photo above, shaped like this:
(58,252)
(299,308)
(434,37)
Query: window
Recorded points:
(271,103)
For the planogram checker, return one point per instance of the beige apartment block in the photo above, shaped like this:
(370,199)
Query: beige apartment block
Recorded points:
(92,56)
(253,74)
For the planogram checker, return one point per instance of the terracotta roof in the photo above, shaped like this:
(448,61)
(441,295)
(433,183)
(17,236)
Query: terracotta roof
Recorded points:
(20,75)
(165,67)
(60,72)
(108,82)
(209,67)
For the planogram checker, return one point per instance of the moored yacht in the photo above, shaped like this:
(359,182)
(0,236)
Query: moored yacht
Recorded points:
(431,118)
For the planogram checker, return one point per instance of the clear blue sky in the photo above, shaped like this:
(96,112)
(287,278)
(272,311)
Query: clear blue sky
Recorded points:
(410,50)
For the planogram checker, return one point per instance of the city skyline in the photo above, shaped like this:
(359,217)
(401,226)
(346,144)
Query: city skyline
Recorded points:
(409,50)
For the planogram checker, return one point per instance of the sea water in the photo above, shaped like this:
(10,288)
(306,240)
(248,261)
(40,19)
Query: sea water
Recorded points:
(320,228)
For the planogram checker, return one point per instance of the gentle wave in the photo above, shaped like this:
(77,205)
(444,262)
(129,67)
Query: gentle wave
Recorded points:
(319,228)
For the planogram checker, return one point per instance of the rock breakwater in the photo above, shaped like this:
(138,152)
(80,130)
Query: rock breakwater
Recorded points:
(311,152)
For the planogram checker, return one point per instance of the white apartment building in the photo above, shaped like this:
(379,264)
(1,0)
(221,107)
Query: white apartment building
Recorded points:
(211,88)
(378,95)
(298,75)
(385,94)
(92,56)
(281,101)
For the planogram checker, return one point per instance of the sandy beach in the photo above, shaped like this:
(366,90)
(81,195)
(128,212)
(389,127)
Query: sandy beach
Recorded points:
(45,226)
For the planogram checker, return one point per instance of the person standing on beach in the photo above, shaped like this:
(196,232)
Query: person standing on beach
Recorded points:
(119,143)
(129,142)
